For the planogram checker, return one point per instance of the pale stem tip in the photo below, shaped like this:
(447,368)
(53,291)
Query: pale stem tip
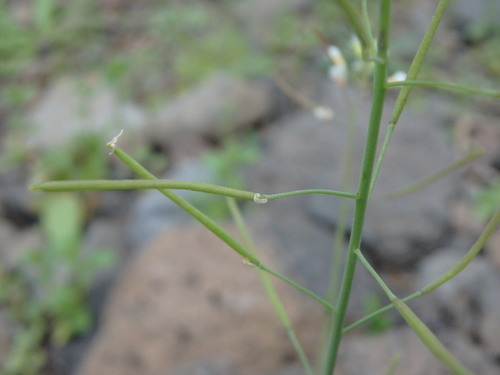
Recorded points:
(112,144)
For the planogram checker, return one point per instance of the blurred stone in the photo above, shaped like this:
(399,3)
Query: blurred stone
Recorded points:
(259,17)
(153,212)
(211,366)
(186,299)
(303,153)
(215,108)
(493,249)
(470,301)
(15,243)
(480,130)
(18,204)
(490,332)
(304,250)
(6,333)
(475,20)
(290,370)
(361,355)
(71,107)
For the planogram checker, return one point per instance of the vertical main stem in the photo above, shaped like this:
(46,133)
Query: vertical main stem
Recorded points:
(364,183)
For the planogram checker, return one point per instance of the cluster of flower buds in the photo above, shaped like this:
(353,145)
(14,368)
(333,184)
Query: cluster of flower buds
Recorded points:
(338,69)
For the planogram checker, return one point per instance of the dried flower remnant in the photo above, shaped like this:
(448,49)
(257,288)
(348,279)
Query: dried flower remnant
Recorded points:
(112,144)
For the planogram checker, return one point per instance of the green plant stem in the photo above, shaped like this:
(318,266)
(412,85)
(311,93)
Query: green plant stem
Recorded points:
(367,26)
(188,207)
(413,71)
(338,245)
(269,287)
(452,272)
(211,225)
(364,183)
(434,177)
(394,364)
(300,288)
(422,331)
(446,86)
(82,185)
(311,191)
(343,211)
(355,20)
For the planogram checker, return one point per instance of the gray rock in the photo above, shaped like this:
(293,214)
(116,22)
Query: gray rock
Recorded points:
(215,108)
(303,153)
(18,204)
(475,19)
(470,301)
(16,243)
(259,17)
(304,250)
(290,370)
(186,299)
(153,212)
(211,366)
(71,107)
(361,355)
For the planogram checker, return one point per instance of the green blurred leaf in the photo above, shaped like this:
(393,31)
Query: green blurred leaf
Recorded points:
(62,220)
(488,200)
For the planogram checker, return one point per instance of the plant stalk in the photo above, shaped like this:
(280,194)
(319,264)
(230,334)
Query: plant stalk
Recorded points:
(413,71)
(364,183)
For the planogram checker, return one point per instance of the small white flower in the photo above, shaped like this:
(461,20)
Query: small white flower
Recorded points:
(335,55)
(323,113)
(338,74)
(259,198)
(397,77)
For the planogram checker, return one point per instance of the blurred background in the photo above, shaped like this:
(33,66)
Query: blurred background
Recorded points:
(225,92)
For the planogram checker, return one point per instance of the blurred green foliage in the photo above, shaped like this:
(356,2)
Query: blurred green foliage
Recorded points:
(488,200)
(46,296)
(381,323)
(227,164)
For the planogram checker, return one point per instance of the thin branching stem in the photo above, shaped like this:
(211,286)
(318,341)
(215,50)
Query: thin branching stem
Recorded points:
(269,287)
(311,191)
(418,326)
(416,186)
(411,76)
(212,225)
(450,274)
(355,20)
(365,177)
(83,185)
(464,89)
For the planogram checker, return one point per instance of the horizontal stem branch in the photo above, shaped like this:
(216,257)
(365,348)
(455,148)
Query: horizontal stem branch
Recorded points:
(446,86)
(417,325)
(311,191)
(84,185)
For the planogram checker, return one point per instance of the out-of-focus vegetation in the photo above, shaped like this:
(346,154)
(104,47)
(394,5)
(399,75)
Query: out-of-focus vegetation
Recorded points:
(148,51)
